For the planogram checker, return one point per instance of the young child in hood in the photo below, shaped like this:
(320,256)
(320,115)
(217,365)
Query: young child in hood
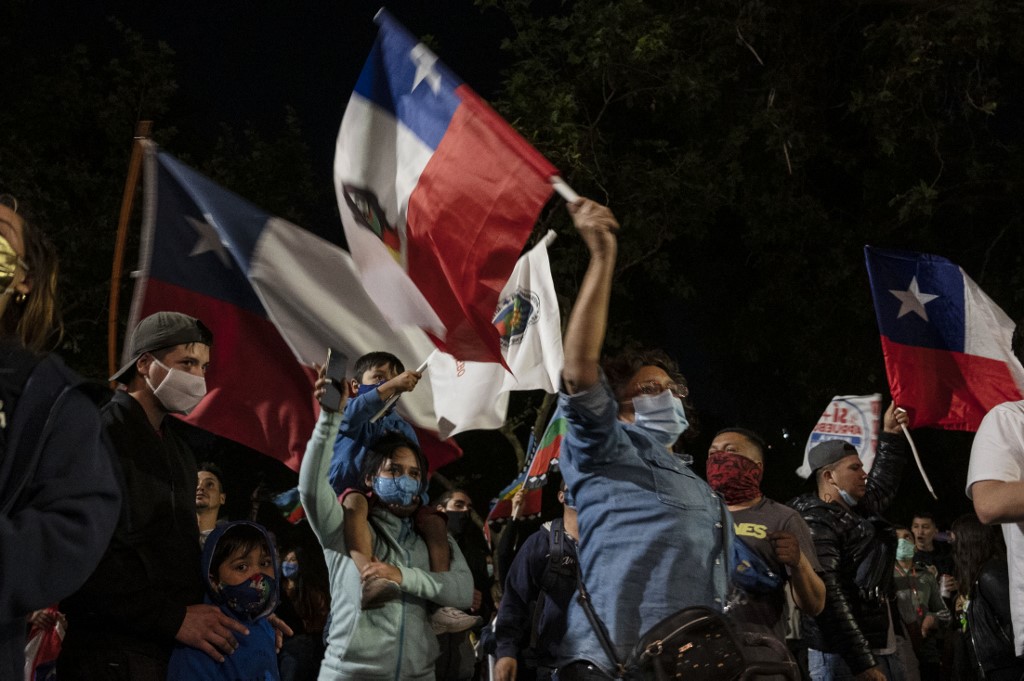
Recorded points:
(239,568)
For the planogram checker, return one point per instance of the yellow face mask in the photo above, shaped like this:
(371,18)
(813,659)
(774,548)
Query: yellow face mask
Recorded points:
(9,262)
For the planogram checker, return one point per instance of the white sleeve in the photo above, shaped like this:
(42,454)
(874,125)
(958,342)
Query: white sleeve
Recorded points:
(323,511)
(998,450)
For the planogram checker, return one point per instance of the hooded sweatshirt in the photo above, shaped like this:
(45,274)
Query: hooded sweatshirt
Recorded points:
(394,642)
(255,659)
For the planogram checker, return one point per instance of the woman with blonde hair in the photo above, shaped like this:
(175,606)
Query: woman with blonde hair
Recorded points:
(59,499)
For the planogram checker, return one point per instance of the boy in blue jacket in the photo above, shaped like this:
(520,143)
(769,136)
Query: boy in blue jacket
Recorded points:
(239,569)
(381,377)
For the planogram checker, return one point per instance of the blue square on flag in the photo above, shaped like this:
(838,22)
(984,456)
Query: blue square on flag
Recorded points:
(919,298)
(946,344)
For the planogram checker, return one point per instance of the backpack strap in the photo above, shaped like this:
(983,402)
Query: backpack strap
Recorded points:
(556,554)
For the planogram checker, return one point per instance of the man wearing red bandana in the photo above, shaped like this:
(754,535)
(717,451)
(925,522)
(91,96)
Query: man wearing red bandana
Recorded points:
(775,532)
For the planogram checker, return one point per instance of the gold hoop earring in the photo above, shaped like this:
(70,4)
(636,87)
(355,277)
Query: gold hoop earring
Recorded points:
(20,297)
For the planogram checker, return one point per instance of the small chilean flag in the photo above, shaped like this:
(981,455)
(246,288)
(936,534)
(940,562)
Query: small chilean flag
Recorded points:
(946,344)
(437,194)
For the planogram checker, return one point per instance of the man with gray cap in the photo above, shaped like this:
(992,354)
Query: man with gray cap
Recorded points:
(853,636)
(146,593)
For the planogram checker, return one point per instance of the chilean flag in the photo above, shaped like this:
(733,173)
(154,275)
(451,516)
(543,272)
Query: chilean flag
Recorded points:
(946,344)
(275,297)
(437,194)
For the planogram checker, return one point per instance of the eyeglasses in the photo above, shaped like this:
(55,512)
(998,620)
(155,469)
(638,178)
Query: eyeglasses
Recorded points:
(653,387)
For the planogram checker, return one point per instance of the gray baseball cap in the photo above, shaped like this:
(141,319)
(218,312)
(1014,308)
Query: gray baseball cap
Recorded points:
(162,330)
(828,452)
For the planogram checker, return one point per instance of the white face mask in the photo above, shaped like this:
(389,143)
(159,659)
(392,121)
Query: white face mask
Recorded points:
(661,415)
(180,391)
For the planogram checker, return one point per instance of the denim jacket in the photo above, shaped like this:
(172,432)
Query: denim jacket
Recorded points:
(650,528)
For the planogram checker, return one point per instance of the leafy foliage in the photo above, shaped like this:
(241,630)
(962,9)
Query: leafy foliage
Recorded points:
(750,149)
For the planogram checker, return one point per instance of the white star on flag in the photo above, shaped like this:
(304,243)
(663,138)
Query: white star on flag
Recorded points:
(209,240)
(912,300)
(426,62)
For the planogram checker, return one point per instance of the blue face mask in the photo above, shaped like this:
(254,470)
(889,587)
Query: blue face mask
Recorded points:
(250,598)
(850,501)
(289,569)
(400,490)
(661,416)
(363,389)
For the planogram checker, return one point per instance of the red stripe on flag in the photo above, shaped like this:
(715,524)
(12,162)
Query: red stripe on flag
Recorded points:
(469,216)
(257,392)
(943,389)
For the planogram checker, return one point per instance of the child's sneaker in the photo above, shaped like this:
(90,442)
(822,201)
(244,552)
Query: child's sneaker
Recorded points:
(449,620)
(378,591)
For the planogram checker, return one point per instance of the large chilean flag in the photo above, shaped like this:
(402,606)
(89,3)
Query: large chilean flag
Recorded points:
(437,194)
(275,296)
(946,344)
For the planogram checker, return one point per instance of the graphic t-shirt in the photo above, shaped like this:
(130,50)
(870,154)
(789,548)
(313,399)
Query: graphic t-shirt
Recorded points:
(766,613)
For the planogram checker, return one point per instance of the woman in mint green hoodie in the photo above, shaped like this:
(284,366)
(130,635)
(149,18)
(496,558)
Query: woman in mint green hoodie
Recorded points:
(394,641)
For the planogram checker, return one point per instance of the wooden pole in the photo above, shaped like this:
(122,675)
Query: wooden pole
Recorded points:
(142,131)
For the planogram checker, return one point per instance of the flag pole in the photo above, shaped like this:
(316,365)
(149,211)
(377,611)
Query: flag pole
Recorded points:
(394,398)
(142,131)
(920,467)
(564,190)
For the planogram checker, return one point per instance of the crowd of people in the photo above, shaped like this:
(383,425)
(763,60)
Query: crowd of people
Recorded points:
(111,531)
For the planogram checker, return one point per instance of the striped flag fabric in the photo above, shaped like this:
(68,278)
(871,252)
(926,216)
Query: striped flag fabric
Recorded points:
(946,344)
(275,296)
(533,477)
(437,194)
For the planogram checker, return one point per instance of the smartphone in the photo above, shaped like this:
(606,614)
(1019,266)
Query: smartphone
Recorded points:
(335,373)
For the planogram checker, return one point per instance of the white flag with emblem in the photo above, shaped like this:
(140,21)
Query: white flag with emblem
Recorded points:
(474,395)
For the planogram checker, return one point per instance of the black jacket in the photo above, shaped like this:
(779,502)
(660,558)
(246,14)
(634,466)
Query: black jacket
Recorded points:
(856,549)
(59,498)
(988,618)
(136,598)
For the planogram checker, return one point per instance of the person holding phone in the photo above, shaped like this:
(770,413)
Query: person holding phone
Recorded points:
(394,640)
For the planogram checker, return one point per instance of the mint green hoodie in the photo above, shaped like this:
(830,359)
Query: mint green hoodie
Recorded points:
(394,642)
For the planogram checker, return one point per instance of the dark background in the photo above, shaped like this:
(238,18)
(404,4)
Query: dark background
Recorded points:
(750,150)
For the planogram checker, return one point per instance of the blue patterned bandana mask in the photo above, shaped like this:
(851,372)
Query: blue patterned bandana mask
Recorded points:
(400,490)
(249,599)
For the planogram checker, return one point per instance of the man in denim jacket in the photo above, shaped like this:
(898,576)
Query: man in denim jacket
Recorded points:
(650,528)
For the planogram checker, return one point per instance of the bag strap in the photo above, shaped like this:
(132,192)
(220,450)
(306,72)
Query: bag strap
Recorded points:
(583,598)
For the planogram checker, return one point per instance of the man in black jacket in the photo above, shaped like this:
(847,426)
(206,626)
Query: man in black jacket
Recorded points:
(854,634)
(146,593)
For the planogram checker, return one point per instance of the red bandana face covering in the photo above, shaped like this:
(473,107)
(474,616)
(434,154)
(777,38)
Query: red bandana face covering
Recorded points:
(735,477)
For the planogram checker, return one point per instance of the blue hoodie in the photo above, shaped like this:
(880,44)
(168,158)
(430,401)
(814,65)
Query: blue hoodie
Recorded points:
(255,659)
